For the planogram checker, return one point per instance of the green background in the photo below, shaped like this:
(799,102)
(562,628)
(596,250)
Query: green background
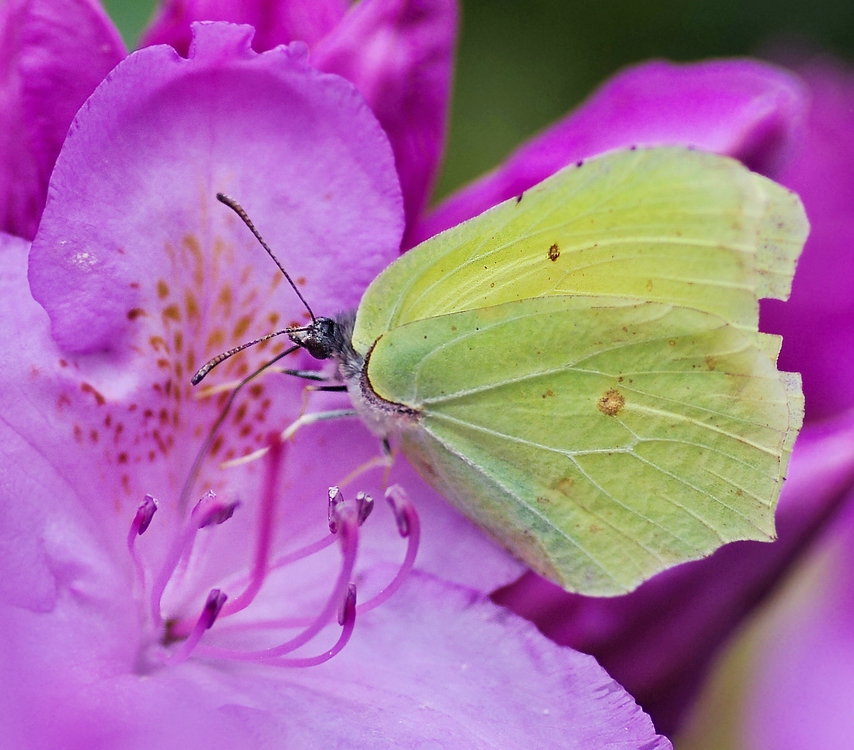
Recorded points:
(524,63)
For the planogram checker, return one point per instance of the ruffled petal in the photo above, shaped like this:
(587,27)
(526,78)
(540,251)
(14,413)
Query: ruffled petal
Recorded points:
(54,53)
(817,323)
(275,23)
(435,665)
(659,640)
(133,235)
(745,109)
(400,54)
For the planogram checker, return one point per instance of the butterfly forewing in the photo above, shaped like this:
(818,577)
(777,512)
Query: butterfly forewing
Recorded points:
(667,225)
(600,440)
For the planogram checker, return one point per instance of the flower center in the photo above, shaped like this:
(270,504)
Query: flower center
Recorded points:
(177,638)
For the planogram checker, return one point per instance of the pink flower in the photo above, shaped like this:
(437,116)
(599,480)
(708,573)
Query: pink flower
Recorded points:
(398,53)
(116,638)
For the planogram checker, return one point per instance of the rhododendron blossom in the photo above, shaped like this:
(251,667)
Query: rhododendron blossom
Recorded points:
(151,600)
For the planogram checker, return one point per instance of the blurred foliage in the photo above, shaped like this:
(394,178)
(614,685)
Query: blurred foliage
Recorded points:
(522,65)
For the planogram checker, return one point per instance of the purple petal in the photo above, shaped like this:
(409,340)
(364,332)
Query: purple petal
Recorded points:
(741,108)
(276,23)
(132,228)
(399,53)
(817,322)
(436,665)
(799,683)
(658,641)
(54,53)
(440,665)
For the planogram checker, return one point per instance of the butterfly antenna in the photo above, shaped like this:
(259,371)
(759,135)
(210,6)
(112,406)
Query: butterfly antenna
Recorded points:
(238,209)
(207,367)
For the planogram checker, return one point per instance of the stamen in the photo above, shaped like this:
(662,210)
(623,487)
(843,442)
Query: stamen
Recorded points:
(348,535)
(266,523)
(302,552)
(213,606)
(144,513)
(209,510)
(346,618)
(347,609)
(409,527)
(363,503)
(141,521)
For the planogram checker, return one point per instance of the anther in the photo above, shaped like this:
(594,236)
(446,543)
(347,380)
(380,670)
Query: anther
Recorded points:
(336,500)
(401,507)
(141,521)
(211,511)
(210,611)
(364,506)
(144,513)
(213,605)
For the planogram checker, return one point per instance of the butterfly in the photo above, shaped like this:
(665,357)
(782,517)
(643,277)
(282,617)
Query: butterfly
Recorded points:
(579,369)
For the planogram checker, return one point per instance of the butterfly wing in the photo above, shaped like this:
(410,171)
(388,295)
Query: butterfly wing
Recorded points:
(585,358)
(666,224)
(600,440)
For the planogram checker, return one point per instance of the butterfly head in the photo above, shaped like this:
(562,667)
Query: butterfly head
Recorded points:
(319,338)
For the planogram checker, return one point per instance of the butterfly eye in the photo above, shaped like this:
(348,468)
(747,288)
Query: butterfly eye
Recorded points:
(319,338)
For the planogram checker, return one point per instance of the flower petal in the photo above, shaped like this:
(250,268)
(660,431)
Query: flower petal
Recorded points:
(800,684)
(659,640)
(133,194)
(742,108)
(435,666)
(438,665)
(53,55)
(275,23)
(399,53)
(817,322)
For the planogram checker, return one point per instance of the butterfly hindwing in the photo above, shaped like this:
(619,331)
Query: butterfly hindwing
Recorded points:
(600,440)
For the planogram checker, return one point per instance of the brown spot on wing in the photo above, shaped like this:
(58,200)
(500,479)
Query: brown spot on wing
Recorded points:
(554,252)
(611,403)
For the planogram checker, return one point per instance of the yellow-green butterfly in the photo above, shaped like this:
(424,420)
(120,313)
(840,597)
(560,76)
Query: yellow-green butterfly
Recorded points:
(579,369)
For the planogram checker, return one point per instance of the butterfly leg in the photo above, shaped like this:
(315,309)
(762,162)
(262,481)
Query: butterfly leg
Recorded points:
(385,460)
(319,378)
(307,375)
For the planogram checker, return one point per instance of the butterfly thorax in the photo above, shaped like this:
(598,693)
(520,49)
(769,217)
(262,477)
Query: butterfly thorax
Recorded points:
(331,338)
